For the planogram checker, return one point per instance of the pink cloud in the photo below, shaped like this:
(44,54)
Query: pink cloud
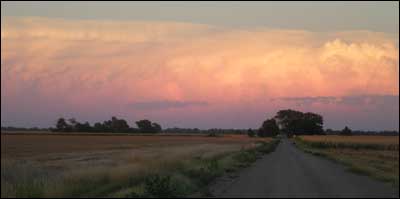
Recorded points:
(99,65)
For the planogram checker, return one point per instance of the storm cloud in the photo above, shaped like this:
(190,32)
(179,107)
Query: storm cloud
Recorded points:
(94,68)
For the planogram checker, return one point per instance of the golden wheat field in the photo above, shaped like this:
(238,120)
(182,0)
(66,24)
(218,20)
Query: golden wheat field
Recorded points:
(59,165)
(31,145)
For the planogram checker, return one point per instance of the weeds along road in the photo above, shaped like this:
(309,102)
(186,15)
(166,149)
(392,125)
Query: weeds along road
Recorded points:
(289,172)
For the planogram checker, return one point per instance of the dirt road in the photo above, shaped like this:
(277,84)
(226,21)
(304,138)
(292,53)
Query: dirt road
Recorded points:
(289,172)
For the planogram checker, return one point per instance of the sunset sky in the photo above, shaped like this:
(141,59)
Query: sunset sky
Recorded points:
(204,65)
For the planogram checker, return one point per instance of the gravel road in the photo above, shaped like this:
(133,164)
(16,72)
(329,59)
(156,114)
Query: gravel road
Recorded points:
(290,172)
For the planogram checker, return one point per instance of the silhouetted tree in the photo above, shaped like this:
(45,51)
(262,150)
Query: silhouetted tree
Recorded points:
(296,122)
(311,124)
(62,125)
(346,131)
(269,128)
(72,121)
(156,127)
(85,127)
(119,125)
(251,133)
(114,125)
(98,127)
(289,120)
(329,131)
(145,126)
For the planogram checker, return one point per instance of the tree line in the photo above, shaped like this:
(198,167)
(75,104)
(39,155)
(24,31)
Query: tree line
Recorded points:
(204,131)
(348,131)
(290,122)
(12,128)
(114,125)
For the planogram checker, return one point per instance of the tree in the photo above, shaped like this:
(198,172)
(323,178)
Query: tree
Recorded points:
(98,127)
(296,122)
(312,123)
(72,121)
(346,131)
(62,125)
(269,128)
(85,127)
(113,125)
(74,125)
(156,127)
(251,133)
(107,126)
(329,131)
(146,126)
(119,125)
(289,120)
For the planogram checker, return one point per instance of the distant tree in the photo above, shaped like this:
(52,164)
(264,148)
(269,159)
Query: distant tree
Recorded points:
(85,127)
(107,126)
(133,130)
(98,127)
(145,126)
(329,131)
(269,128)
(72,121)
(119,125)
(346,131)
(156,127)
(74,125)
(113,125)
(62,125)
(251,133)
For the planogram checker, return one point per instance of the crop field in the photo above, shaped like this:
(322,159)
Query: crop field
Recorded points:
(14,145)
(380,142)
(59,165)
(376,156)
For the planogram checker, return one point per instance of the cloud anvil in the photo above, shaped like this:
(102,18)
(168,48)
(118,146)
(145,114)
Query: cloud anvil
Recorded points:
(166,66)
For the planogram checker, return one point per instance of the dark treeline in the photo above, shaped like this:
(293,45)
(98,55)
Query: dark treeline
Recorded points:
(11,128)
(204,131)
(290,122)
(114,125)
(360,132)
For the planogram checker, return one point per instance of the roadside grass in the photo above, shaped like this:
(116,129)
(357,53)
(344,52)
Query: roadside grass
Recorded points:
(174,177)
(381,162)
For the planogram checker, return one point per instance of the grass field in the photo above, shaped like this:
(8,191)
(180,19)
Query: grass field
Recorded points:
(376,156)
(60,165)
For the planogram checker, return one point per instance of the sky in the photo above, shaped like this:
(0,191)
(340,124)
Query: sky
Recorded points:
(200,64)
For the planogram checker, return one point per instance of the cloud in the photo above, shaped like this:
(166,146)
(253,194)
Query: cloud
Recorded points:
(100,31)
(354,100)
(74,63)
(157,105)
